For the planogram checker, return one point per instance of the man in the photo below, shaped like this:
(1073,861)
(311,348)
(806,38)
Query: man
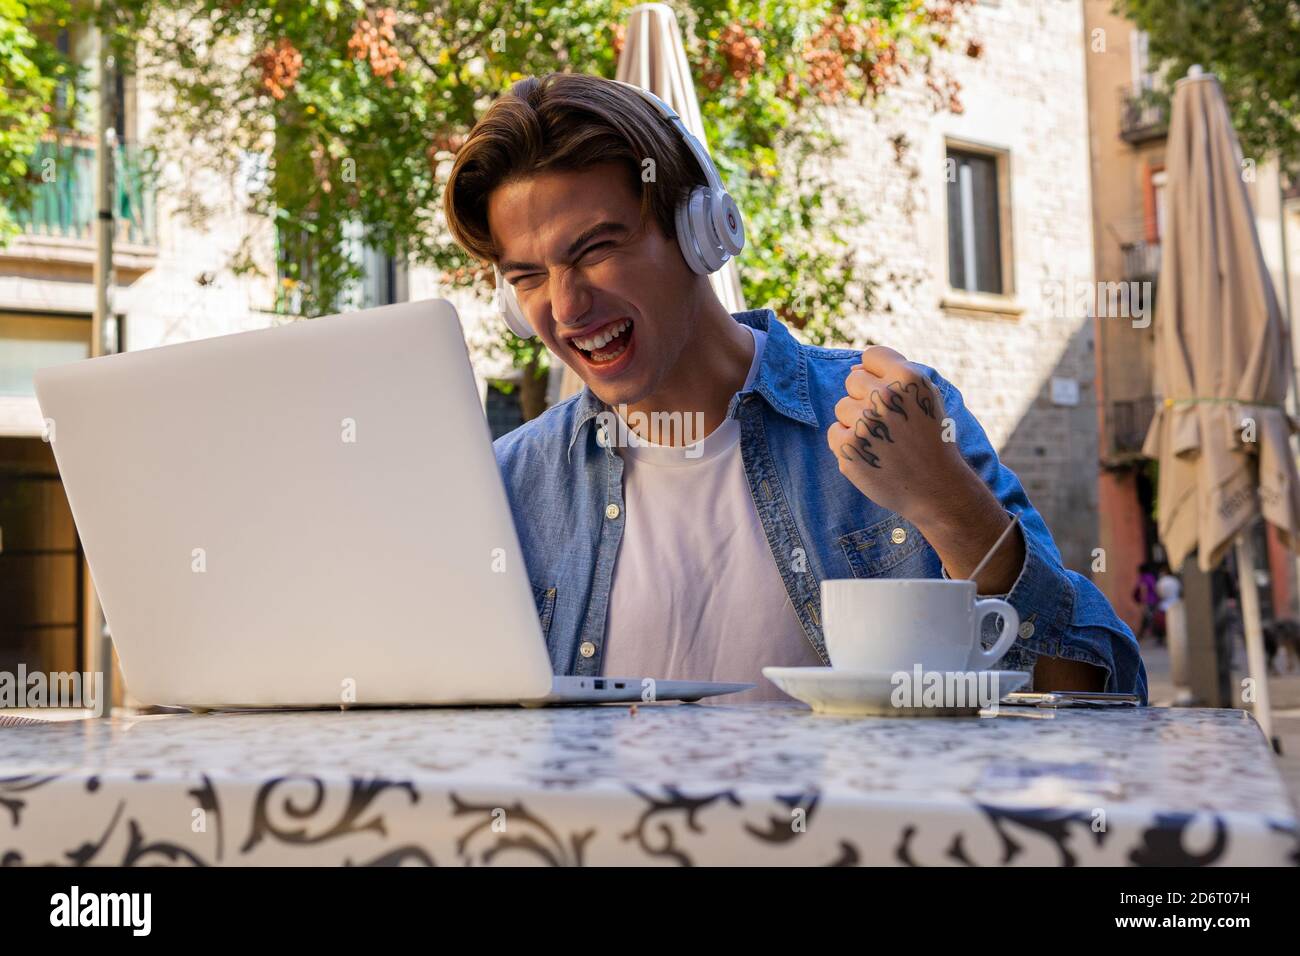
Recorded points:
(701,558)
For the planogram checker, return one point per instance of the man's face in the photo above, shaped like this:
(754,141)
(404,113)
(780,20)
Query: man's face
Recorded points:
(578,288)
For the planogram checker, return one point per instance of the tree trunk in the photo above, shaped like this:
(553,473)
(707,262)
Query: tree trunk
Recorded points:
(532,391)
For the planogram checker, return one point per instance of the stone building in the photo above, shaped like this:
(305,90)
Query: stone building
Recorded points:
(1129,126)
(981,229)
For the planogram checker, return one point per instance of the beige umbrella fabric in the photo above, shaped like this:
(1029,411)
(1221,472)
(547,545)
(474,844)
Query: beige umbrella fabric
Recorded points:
(1222,435)
(1222,355)
(654,59)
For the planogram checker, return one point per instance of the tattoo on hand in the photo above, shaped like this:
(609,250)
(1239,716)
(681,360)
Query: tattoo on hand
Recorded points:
(851,451)
(892,399)
(924,399)
(874,428)
(871,424)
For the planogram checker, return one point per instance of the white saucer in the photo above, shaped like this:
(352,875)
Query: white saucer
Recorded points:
(829,690)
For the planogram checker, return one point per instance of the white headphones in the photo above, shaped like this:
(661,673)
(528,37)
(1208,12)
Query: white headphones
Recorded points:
(710,229)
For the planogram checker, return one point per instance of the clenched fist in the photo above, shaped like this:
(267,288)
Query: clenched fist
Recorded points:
(889,437)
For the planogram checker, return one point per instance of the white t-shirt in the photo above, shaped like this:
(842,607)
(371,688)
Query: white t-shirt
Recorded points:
(696,594)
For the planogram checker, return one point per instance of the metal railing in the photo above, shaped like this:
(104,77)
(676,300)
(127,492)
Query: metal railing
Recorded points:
(63,200)
(1141,260)
(1127,424)
(1144,114)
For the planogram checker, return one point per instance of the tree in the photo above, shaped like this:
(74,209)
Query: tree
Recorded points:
(1254,48)
(30,70)
(357,110)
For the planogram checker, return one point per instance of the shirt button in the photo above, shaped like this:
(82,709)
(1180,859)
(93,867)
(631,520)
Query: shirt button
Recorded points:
(611,511)
(602,439)
(587,649)
(1027,629)
(898,536)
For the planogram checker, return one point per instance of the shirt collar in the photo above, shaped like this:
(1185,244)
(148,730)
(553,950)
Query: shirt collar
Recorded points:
(782,377)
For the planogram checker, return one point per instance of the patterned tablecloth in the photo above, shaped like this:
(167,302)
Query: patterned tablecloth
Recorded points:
(668,784)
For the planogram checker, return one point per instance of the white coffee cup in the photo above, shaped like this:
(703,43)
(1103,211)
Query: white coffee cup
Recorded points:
(893,624)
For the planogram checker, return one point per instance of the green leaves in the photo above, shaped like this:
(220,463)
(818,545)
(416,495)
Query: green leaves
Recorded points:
(1254,48)
(351,138)
(29,68)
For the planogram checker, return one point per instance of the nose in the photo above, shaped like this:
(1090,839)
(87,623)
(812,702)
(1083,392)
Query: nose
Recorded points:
(570,297)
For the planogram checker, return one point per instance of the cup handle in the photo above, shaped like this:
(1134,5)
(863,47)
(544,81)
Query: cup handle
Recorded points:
(980,658)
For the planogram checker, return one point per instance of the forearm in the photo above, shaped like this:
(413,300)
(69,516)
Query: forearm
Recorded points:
(963,526)
(962,529)
(892,441)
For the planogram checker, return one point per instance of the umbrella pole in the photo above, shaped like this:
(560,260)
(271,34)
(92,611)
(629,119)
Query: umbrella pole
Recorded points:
(1258,667)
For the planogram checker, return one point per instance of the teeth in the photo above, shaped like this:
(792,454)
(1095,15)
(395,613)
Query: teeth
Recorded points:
(601,338)
(609,356)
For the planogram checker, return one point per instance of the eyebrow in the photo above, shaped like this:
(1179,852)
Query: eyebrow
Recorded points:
(600,229)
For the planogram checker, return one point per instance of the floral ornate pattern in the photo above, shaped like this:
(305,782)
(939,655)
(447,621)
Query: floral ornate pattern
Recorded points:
(660,784)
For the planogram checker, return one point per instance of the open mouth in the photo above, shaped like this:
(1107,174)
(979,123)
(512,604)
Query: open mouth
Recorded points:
(606,345)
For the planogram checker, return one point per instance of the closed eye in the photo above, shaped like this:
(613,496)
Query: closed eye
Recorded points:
(532,275)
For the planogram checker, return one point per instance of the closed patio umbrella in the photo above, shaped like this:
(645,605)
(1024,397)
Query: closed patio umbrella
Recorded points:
(654,59)
(1222,358)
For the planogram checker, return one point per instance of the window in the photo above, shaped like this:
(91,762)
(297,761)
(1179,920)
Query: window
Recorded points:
(379,281)
(975,254)
(62,93)
(1140,60)
(1158,180)
(30,341)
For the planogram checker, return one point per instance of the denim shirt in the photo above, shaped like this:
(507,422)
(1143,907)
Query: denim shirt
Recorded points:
(565,487)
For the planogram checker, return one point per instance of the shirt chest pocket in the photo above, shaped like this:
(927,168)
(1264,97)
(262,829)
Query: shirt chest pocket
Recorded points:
(545,598)
(890,548)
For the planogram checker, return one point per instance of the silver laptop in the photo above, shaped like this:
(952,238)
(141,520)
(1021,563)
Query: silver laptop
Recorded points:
(309,515)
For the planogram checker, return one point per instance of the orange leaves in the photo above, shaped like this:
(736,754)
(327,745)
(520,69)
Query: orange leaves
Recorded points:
(831,47)
(372,40)
(741,50)
(280,64)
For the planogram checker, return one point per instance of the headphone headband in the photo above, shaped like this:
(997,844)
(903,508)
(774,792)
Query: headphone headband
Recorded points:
(696,147)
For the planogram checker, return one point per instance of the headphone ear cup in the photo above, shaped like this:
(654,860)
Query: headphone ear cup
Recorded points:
(710,248)
(508,308)
(699,214)
(686,235)
(728,225)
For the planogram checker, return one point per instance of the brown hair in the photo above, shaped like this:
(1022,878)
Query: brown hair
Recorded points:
(565,121)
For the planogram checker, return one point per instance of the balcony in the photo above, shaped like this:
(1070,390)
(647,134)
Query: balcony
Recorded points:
(1141,260)
(1127,423)
(1143,114)
(63,202)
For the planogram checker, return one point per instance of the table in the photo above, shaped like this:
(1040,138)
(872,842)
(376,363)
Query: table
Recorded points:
(674,784)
